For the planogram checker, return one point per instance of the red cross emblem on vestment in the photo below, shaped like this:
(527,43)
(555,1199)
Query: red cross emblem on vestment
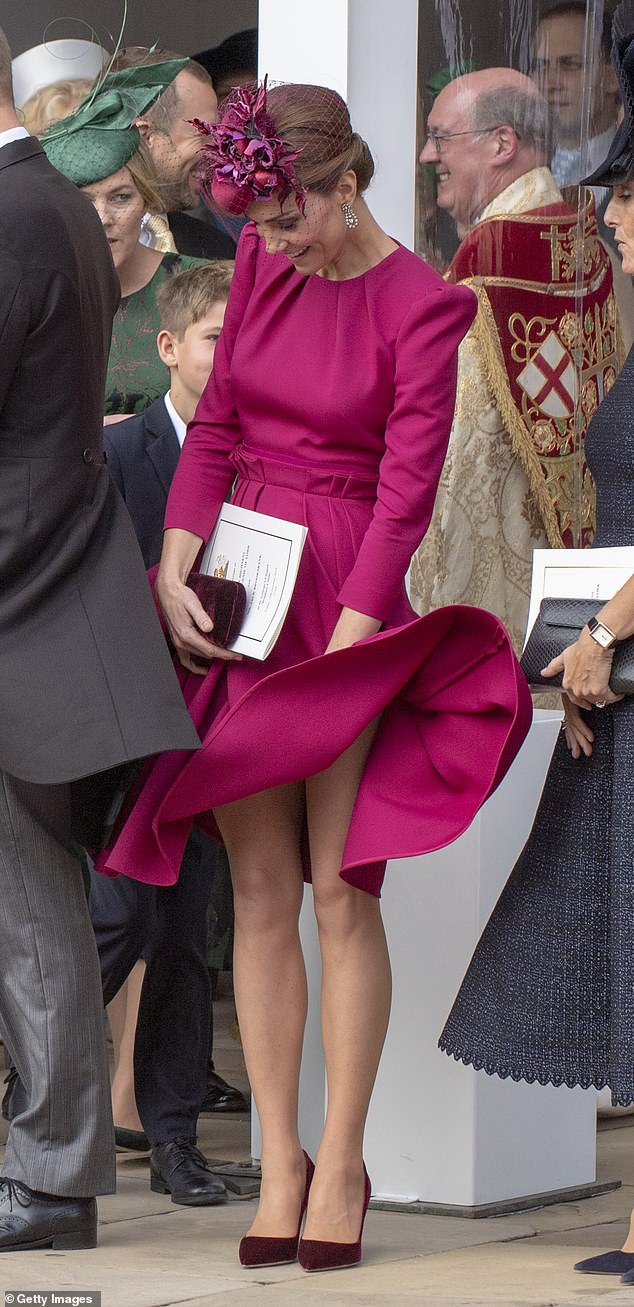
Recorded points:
(550,379)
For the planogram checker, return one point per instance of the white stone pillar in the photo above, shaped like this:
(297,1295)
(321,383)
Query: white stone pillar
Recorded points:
(366,50)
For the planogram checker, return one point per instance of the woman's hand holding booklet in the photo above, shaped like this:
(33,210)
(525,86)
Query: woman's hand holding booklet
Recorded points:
(263,554)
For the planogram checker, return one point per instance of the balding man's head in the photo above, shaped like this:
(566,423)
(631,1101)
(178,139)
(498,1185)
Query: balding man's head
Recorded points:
(485,130)
(465,90)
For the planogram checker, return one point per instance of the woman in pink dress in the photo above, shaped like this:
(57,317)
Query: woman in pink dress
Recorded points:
(330,404)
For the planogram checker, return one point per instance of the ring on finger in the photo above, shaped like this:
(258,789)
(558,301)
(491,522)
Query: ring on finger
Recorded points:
(600,703)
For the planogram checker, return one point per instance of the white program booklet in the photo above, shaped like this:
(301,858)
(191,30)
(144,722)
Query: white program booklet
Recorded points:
(577,574)
(263,553)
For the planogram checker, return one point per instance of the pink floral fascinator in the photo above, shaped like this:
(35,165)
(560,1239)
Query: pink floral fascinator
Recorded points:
(243,159)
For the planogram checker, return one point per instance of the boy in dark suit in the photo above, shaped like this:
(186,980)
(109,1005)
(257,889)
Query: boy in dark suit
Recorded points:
(167,927)
(142,451)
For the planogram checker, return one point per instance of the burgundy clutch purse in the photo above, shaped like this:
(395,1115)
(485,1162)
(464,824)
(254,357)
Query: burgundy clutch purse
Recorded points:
(224,602)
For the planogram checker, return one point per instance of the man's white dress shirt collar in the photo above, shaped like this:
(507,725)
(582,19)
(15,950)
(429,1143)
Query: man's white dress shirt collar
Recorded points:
(13,134)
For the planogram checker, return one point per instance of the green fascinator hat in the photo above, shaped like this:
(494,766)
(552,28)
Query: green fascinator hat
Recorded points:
(98,139)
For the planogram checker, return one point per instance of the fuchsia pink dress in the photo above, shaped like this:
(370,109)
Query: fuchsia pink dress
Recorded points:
(331,404)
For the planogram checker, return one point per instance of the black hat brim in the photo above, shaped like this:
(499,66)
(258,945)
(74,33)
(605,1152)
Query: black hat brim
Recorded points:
(618,166)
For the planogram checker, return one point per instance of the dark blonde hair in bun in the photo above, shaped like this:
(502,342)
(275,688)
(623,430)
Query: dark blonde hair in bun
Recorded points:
(316,121)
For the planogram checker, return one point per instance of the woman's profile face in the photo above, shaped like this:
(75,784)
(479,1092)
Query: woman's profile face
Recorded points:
(620,216)
(120,206)
(311,240)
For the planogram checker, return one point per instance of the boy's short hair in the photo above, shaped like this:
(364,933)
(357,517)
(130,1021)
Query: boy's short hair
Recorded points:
(187,296)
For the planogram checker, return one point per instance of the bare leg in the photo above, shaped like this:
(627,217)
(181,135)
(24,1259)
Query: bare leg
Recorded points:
(356,994)
(122,1015)
(262,836)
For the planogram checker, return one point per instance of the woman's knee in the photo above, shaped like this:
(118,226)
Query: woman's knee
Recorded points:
(341,909)
(266,894)
(262,839)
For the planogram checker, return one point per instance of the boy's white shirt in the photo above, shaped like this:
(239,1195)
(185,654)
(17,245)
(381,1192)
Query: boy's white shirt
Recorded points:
(179,426)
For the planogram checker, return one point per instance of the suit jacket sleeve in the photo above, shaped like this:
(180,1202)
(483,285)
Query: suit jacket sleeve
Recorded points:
(416,439)
(205,475)
(15,312)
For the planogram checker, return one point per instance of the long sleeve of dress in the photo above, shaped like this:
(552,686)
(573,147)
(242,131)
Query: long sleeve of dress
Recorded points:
(416,438)
(204,475)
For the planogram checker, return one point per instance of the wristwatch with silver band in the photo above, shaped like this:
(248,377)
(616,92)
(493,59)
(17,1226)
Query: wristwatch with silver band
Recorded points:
(601,633)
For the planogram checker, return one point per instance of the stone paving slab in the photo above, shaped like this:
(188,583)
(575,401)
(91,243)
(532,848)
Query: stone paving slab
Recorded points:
(262,1296)
(616,1156)
(189,1255)
(594,1238)
(614,1207)
(329,1291)
(391,1235)
(518,1272)
(127,1288)
(153,1253)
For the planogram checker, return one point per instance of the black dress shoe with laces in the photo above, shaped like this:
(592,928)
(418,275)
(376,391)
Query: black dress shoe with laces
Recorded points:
(221,1097)
(34,1220)
(180,1169)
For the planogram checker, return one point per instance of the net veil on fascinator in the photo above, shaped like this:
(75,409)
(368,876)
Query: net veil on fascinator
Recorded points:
(280,141)
(243,159)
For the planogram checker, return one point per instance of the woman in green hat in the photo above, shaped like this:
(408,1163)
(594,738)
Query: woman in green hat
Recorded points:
(100,150)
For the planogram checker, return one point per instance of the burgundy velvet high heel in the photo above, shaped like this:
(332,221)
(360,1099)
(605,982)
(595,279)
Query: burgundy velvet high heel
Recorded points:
(263,1250)
(325,1255)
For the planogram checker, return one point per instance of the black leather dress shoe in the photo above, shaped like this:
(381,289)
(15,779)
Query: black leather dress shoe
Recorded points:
(180,1169)
(34,1220)
(221,1097)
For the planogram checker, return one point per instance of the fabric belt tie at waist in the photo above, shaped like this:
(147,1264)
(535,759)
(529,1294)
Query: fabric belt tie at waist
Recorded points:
(252,465)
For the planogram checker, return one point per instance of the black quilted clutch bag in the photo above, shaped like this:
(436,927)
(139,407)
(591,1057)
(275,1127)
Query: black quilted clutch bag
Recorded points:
(559,624)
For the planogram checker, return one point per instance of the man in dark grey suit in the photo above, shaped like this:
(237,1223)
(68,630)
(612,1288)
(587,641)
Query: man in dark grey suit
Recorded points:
(85,682)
